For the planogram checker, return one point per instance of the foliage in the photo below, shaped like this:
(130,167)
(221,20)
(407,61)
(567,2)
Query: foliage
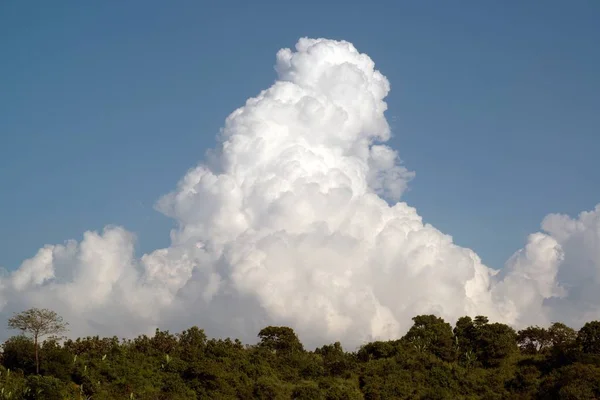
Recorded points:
(38,323)
(474,360)
(280,339)
(432,334)
(18,354)
(589,338)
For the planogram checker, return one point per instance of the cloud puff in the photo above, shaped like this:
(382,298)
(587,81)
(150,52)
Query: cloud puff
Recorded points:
(294,219)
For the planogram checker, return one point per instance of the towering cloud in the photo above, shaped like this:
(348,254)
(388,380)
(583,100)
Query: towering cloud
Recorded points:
(294,219)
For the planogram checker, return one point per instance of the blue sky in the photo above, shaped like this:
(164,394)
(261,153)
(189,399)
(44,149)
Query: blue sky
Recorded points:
(104,107)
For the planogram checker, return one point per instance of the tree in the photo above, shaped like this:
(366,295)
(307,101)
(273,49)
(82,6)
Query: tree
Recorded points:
(589,337)
(533,340)
(38,323)
(495,342)
(192,343)
(561,335)
(432,334)
(564,346)
(377,350)
(487,343)
(17,354)
(280,339)
(465,338)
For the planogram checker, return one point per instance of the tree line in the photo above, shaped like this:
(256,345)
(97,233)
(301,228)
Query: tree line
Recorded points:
(474,359)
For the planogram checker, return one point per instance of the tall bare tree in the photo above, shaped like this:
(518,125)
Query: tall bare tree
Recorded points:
(38,323)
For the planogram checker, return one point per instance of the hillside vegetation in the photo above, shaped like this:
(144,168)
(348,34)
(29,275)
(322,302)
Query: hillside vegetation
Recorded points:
(476,359)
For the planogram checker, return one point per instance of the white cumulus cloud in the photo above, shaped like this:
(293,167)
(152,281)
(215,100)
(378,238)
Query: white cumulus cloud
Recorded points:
(295,219)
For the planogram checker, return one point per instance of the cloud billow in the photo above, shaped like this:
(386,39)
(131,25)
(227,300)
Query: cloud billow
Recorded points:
(294,219)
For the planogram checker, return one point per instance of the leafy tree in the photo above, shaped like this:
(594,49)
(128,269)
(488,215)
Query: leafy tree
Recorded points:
(192,343)
(589,337)
(533,339)
(495,343)
(480,321)
(39,323)
(56,360)
(432,334)
(465,339)
(280,339)
(564,348)
(378,349)
(482,343)
(18,354)
(336,362)
(561,335)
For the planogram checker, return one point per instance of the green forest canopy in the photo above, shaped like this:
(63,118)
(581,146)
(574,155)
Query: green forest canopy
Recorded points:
(475,359)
